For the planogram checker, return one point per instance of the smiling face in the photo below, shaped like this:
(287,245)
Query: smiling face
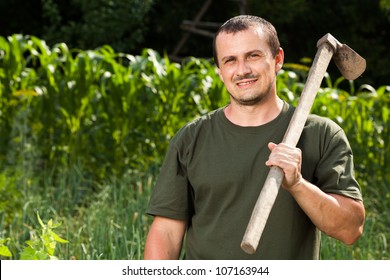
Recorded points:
(247,66)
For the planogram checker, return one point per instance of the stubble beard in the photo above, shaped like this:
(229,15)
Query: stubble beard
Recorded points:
(254,99)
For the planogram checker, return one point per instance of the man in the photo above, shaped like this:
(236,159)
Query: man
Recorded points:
(216,165)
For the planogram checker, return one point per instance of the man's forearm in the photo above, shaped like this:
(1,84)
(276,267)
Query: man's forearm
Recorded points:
(337,216)
(157,248)
(165,239)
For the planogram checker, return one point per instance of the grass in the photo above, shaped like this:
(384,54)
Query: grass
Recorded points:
(110,223)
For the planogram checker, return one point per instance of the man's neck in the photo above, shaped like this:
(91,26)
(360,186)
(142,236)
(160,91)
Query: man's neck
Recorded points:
(255,115)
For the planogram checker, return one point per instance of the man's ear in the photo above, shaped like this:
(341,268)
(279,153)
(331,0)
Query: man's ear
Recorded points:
(279,59)
(219,74)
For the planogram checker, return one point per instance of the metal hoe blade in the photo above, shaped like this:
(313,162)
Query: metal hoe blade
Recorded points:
(350,63)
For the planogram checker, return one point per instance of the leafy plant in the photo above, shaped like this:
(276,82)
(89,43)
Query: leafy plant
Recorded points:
(4,250)
(41,246)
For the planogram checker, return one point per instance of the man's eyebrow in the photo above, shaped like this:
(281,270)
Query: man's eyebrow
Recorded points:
(228,57)
(256,51)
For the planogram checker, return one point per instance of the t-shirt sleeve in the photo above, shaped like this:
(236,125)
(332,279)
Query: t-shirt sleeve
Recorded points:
(171,196)
(335,171)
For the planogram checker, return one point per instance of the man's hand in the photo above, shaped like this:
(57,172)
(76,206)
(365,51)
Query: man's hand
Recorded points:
(289,159)
(338,216)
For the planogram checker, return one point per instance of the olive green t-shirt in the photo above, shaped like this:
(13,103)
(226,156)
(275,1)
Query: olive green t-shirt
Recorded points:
(214,171)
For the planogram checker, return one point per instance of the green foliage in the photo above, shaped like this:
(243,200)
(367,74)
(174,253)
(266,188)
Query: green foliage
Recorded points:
(115,225)
(385,6)
(4,250)
(109,223)
(93,23)
(83,134)
(132,25)
(97,108)
(42,246)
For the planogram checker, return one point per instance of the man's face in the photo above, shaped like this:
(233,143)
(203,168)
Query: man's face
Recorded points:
(247,66)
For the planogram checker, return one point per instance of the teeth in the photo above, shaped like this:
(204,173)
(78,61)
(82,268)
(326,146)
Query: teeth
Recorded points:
(245,83)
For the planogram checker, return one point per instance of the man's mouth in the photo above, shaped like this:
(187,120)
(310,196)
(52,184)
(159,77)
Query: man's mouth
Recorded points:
(246,83)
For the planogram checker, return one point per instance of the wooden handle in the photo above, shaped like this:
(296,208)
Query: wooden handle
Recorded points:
(275,176)
(262,210)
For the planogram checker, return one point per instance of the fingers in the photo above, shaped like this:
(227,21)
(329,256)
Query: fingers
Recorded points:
(283,155)
(289,159)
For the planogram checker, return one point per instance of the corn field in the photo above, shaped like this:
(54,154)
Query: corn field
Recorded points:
(83,133)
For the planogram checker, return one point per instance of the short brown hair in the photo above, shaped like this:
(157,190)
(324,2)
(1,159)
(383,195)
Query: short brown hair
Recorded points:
(243,22)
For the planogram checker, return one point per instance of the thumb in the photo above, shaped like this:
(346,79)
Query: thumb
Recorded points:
(271,146)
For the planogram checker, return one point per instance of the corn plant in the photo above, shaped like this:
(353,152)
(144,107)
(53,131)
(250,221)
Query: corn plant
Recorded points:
(103,110)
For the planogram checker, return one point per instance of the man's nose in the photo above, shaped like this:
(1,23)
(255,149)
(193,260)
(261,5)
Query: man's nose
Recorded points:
(243,68)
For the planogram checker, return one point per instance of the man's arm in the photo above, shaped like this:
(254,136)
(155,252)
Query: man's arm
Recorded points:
(165,239)
(338,216)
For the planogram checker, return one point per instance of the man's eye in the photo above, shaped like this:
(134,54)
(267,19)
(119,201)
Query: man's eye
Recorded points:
(229,60)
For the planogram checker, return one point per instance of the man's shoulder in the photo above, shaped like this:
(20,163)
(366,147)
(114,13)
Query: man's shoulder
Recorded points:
(200,121)
(205,118)
(192,128)
(320,122)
